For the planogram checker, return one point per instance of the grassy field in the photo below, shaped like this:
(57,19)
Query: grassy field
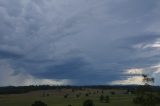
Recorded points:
(56,98)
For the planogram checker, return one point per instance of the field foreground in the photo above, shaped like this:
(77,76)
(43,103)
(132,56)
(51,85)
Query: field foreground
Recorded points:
(65,97)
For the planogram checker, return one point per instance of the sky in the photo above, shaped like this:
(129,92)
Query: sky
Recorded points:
(79,42)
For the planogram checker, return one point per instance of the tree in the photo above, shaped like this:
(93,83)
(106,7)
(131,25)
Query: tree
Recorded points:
(39,103)
(101,98)
(88,103)
(78,95)
(107,99)
(66,95)
(112,92)
(145,97)
(102,91)
(147,80)
(86,94)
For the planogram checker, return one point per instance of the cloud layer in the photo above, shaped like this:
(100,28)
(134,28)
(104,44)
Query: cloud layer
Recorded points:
(77,42)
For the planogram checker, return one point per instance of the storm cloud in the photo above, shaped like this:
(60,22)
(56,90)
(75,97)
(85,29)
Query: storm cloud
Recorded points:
(78,41)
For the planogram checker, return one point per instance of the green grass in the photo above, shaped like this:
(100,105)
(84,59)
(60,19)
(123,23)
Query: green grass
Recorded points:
(56,98)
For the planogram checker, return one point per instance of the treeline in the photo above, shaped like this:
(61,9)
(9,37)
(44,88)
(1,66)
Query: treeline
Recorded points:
(25,89)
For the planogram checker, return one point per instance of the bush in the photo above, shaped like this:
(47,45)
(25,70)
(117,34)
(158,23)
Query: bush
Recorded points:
(101,98)
(73,90)
(88,103)
(102,91)
(66,96)
(146,100)
(39,103)
(86,94)
(47,94)
(78,95)
(107,99)
(138,100)
(89,93)
(112,92)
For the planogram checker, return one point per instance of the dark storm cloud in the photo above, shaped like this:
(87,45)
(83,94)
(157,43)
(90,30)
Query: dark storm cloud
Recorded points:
(86,41)
(9,55)
(143,38)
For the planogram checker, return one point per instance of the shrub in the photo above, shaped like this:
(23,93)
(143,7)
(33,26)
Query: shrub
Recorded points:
(39,103)
(146,100)
(107,99)
(97,91)
(86,94)
(138,100)
(102,91)
(112,92)
(78,95)
(73,90)
(101,98)
(66,96)
(47,94)
(88,103)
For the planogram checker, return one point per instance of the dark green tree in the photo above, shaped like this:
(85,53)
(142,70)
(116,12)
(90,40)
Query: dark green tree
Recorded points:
(88,103)
(78,95)
(107,99)
(86,94)
(39,103)
(101,98)
(102,91)
(145,96)
(112,92)
(66,95)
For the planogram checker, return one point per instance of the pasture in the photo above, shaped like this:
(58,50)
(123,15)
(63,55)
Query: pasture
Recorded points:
(65,97)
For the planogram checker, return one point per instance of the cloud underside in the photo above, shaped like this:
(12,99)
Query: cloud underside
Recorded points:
(22,79)
(78,42)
